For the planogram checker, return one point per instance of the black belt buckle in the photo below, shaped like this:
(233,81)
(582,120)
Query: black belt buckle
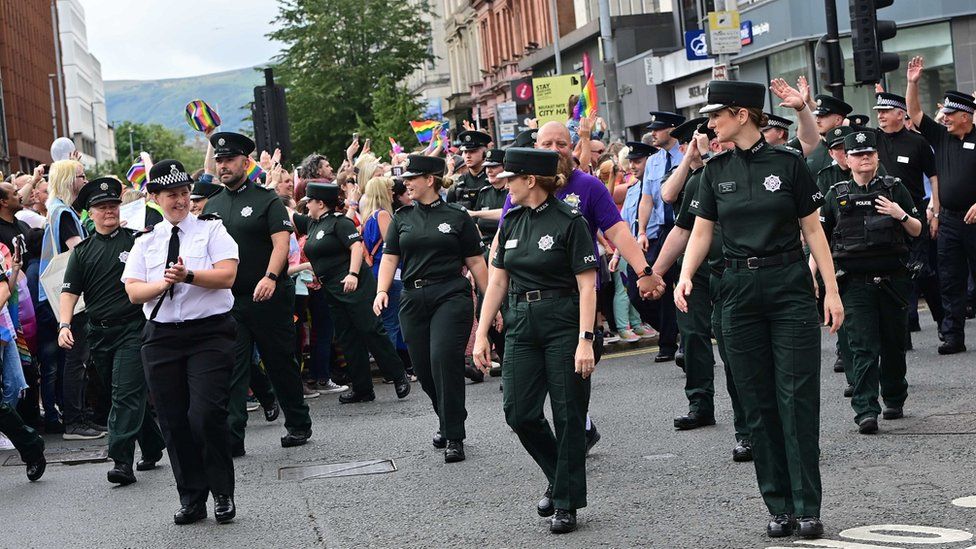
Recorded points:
(417,284)
(534,295)
(753,263)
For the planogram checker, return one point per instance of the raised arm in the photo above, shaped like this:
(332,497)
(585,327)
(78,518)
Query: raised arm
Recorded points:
(915,67)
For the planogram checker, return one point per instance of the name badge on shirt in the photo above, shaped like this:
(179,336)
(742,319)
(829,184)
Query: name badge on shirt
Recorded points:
(969,145)
(903,159)
(511,244)
(727,187)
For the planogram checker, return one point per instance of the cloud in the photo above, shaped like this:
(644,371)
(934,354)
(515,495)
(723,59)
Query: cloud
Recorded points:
(152,39)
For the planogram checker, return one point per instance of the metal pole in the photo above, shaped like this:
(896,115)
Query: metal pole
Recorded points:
(132,152)
(554,15)
(725,58)
(835,66)
(57,54)
(615,116)
(54,109)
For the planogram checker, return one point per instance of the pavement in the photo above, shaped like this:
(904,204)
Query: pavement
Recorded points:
(649,486)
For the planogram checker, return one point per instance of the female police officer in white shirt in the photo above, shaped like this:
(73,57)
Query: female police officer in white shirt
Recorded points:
(182,272)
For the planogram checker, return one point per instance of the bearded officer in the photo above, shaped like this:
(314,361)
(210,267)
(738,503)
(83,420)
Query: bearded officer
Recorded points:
(263,295)
(115,328)
(474,148)
(875,285)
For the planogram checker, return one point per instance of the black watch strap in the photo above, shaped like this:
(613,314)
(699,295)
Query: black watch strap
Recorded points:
(272,276)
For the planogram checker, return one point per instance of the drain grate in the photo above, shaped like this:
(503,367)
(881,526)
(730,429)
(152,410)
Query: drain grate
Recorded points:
(963,423)
(65,456)
(333,470)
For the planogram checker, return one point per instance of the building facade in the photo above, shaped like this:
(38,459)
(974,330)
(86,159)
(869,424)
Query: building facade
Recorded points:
(84,89)
(30,95)
(432,81)
(463,58)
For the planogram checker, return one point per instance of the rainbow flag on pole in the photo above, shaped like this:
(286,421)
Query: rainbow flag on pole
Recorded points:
(424,129)
(254,171)
(137,176)
(586,105)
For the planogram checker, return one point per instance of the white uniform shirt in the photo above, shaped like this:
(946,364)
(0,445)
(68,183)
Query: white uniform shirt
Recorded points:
(202,243)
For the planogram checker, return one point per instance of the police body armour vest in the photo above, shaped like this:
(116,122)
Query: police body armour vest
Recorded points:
(861,231)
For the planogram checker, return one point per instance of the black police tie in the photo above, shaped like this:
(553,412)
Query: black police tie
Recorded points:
(172,256)
(667,163)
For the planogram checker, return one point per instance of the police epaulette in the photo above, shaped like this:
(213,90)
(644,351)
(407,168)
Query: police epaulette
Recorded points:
(455,206)
(209,217)
(889,181)
(720,154)
(401,208)
(791,150)
(485,188)
(565,208)
(514,208)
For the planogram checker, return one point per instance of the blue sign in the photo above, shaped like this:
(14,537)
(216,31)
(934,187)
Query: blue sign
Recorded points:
(696,48)
(745,32)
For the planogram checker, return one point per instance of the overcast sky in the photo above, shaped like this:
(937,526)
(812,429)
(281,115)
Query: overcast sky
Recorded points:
(174,38)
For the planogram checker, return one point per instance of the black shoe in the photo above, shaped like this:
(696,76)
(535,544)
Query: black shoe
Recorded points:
(545,506)
(439,441)
(188,514)
(781,526)
(148,464)
(664,357)
(849,391)
(224,509)
(454,452)
(810,528)
(402,387)
(679,360)
(970,312)
(271,414)
(839,365)
(474,374)
(121,474)
(893,413)
(951,348)
(742,451)
(868,425)
(913,326)
(35,468)
(693,420)
(351,396)
(563,522)
(592,437)
(297,437)
(237,450)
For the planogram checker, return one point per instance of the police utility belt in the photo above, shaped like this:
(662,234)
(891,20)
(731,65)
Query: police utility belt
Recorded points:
(192,322)
(753,263)
(423,282)
(112,322)
(538,295)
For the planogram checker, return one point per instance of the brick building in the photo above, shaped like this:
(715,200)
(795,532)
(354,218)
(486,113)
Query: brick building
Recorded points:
(30,118)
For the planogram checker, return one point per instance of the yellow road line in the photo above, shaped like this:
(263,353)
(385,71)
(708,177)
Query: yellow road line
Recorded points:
(635,352)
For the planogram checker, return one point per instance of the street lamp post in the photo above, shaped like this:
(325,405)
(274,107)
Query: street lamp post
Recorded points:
(132,153)
(95,128)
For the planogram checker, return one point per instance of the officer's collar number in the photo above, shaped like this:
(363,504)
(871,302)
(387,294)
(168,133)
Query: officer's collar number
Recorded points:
(726,187)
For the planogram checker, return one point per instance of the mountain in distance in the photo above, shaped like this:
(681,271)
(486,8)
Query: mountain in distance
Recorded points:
(163,101)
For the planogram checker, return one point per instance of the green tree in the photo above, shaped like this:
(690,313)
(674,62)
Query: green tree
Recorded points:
(336,53)
(392,106)
(159,141)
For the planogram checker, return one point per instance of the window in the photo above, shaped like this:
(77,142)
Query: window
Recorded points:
(789,65)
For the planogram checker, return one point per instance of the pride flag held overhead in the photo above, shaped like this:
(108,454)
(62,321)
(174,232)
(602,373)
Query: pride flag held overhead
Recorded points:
(201,116)
(424,129)
(137,175)
(586,105)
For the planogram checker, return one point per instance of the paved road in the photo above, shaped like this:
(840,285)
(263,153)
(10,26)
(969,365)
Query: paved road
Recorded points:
(649,486)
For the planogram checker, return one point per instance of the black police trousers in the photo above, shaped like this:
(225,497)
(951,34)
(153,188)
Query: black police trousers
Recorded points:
(957,248)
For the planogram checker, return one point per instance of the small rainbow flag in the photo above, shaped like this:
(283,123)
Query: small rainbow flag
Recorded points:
(424,129)
(200,116)
(395,147)
(254,171)
(137,176)
(586,105)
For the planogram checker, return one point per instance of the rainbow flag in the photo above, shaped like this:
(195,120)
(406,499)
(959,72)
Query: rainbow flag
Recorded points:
(395,147)
(254,171)
(424,129)
(137,176)
(201,116)
(586,105)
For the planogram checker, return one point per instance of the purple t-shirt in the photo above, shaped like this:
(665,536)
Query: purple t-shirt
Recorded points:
(590,196)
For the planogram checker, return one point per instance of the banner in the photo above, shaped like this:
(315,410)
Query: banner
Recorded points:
(552,95)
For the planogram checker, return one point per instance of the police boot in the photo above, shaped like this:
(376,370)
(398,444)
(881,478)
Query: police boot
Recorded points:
(545,506)
(810,528)
(781,526)
(742,452)
(454,452)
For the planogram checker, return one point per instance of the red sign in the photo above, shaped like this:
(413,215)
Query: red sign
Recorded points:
(522,91)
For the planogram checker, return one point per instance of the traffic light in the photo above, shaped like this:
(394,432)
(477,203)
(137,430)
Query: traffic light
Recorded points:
(867,34)
(270,115)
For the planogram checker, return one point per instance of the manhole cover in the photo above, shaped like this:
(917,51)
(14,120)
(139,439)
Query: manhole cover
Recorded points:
(332,470)
(963,423)
(65,456)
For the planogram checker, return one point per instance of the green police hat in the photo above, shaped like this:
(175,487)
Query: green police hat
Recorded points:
(828,104)
(204,189)
(227,144)
(494,157)
(526,138)
(836,136)
(725,93)
(522,161)
(473,139)
(860,141)
(418,164)
(328,192)
(686,130)
(99,191)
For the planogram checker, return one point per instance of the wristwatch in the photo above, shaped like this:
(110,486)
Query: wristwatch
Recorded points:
(588,336)
(63,325)
(189,277)
(272,276)
(648,271)
(904,218)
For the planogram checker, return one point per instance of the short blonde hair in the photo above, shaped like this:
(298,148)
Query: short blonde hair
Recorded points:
(377,195)
(61,181)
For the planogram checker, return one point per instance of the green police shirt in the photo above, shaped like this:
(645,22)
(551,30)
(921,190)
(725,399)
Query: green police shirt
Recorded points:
(684,219)
(544,248)
(251,214)
(757,194)
(818,159)
(466,187)
(328,243)
(489,198)
(95,269)
(432,240)
(830,212)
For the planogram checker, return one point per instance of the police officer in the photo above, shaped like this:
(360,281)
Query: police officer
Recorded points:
(474,147)
(115,328)
(954,142)
(264,297)
(434,240)
(202,191)
(907,155)
(837,170)
(526,138)
(759,193)
(335,250)
(830,113)
(858,121)
(546,265)
(181,273)
(777,130)
(874,285)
